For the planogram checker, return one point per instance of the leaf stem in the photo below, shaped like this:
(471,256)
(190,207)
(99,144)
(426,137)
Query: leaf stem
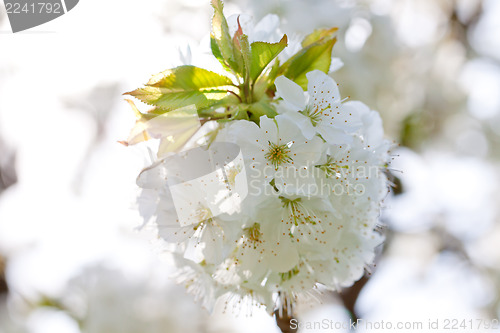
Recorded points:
(235,94)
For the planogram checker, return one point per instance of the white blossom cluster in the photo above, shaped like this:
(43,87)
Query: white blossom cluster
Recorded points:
(307,194)
(102,300)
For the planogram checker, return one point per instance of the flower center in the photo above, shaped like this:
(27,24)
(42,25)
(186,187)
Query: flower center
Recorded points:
(298,213)
(252,237)
(332,168)
(314,113)
(290,274)
(303,223)
(253,232)
(203,215)
(278,154)
(232,173)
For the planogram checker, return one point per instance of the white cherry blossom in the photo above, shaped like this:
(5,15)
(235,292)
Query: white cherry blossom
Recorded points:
(275,151)
(321,110)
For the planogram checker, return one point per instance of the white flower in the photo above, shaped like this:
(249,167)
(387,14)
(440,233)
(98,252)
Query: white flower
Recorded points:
(105,300)
(309,217)
(185,216)
(321,111)
(275,151)
(266,30)
(198,278)
(266,244)
(299,206)
(7,323)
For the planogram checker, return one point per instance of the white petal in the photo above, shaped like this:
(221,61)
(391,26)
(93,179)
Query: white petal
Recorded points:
(266,28)
(373,129)
(248,136)
(147,202)
(291,93)
(246,23)
(336,64)
(322,89)
(153,176)
(308,152)
(280,254)
(291,181)
(333,135)
(303,122)
(348,116)
(287,130)
(269,129)
(213,238)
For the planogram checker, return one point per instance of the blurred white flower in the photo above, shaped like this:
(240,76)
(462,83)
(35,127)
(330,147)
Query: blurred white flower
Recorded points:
(266,30)
(7,323)
(103,300)
(443,190)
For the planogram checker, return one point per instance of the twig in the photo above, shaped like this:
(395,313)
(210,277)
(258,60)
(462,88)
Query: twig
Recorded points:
(283,321)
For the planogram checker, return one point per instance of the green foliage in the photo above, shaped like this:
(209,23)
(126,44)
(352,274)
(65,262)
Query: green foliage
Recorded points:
(318,35)
(182,86)
(241,52)
(222,44)
(247,91)
(167,100)
(262,108)
(188,78)
(262,55)
(317,54)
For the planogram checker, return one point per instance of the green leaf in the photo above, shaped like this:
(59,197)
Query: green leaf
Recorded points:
(240,111)
(217,53)
(262,108)
(317,55)
(223,48)
(221,108)
(245,52)
(183,86)
(215,48)
(318,35)
(186,78)
(264,86)
(167,100)
(241,52)
(263,53)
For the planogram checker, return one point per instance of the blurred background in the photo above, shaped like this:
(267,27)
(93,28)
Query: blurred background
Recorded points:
(71,258)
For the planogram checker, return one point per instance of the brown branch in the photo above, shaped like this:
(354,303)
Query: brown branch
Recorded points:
(350,295)
(3,283)
(283,321)
(284,314)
